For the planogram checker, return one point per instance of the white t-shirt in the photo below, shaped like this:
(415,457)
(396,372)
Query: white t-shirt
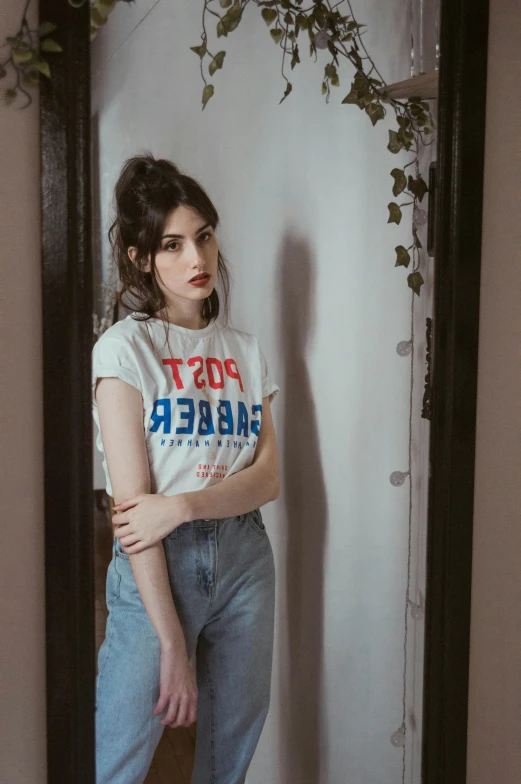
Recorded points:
(202,404)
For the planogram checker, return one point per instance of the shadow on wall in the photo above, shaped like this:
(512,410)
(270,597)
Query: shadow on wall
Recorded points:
(306,518)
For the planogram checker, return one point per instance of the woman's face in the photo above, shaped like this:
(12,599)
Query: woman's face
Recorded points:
(188,247)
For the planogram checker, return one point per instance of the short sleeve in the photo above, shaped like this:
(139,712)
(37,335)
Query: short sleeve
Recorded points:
(269,387)
(112,356)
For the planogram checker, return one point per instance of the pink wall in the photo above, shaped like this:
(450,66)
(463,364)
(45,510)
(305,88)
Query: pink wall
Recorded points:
(22,644)
(495,673)
(495,682)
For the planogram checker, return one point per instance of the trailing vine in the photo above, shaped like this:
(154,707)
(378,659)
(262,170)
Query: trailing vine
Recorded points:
(341,35)
(27,50)
(327,29)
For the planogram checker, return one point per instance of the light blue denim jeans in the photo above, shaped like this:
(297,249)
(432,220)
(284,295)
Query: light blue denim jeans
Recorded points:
(223,582)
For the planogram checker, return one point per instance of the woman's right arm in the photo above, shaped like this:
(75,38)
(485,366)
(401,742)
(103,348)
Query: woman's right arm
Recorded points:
(120,410)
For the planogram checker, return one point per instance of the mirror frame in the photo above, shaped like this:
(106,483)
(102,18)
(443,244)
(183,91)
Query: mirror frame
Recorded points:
(67,344)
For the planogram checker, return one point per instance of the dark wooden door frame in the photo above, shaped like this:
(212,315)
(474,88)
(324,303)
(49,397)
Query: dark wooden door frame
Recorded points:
(67,343)
(459,203)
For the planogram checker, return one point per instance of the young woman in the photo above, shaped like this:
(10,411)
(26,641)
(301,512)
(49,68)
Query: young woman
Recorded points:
(178,400)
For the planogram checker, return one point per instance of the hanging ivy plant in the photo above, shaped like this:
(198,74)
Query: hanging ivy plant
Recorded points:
(326,28)
(341,35)
(28,49)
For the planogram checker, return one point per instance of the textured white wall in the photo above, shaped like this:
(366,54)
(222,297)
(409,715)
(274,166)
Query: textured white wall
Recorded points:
(302,190)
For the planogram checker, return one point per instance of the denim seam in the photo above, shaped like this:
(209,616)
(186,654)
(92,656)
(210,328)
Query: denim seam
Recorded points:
(251,520)
(101,669)
(211,597)
(118,588)
(212,737)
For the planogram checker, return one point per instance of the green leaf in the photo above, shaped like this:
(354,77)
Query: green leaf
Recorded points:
(199,50)
(97,18)
(295,58)
(417,187)
(43,66)
(351,97)
(324,88)
(226,3)
(403,257)
(22,55)
(10,95)
(415,282)
(232,18)
(395,213)
(400,181)
(216,63)
(289,88)
(276,34)
(221,29)
(375,112)
(207,93)
(330,70)
(31,79)
(46,28)
(48,45)
(269,15)
(395,144)
(335,81)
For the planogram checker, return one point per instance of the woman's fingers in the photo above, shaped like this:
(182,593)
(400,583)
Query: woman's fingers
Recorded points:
(162,704)
(191,714)
(184,705)
(171,715)
(129,539)
(181,713)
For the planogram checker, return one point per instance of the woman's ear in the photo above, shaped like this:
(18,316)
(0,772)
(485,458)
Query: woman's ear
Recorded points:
(132,252)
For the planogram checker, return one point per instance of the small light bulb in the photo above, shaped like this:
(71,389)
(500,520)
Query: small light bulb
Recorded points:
(419,216)
(397,478)
(404,348)
(416,610)
(321,38)
(398,737)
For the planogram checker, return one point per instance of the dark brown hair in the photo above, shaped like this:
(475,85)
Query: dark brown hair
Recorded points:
(147,191)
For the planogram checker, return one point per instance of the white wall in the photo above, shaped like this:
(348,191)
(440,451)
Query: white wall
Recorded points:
(302,190)
(494,731)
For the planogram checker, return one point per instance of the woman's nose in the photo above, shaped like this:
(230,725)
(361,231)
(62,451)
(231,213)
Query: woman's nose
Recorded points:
(196,256)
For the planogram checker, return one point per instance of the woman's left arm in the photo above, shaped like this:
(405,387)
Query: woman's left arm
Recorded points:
(141,521)
(247,489)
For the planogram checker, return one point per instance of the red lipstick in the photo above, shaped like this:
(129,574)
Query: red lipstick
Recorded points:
(200,280)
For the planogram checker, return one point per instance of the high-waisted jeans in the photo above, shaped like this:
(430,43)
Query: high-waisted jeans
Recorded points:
(223,583)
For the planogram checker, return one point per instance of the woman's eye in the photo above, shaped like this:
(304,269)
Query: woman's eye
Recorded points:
(205,234)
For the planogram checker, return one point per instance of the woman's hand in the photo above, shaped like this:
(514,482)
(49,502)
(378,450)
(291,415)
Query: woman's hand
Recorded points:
(144,520)
(177,690)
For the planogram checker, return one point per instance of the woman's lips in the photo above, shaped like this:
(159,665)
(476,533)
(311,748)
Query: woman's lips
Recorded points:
(200,281)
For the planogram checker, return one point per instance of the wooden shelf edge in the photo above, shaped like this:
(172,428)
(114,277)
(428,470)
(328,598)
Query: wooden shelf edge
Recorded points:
(424,85)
